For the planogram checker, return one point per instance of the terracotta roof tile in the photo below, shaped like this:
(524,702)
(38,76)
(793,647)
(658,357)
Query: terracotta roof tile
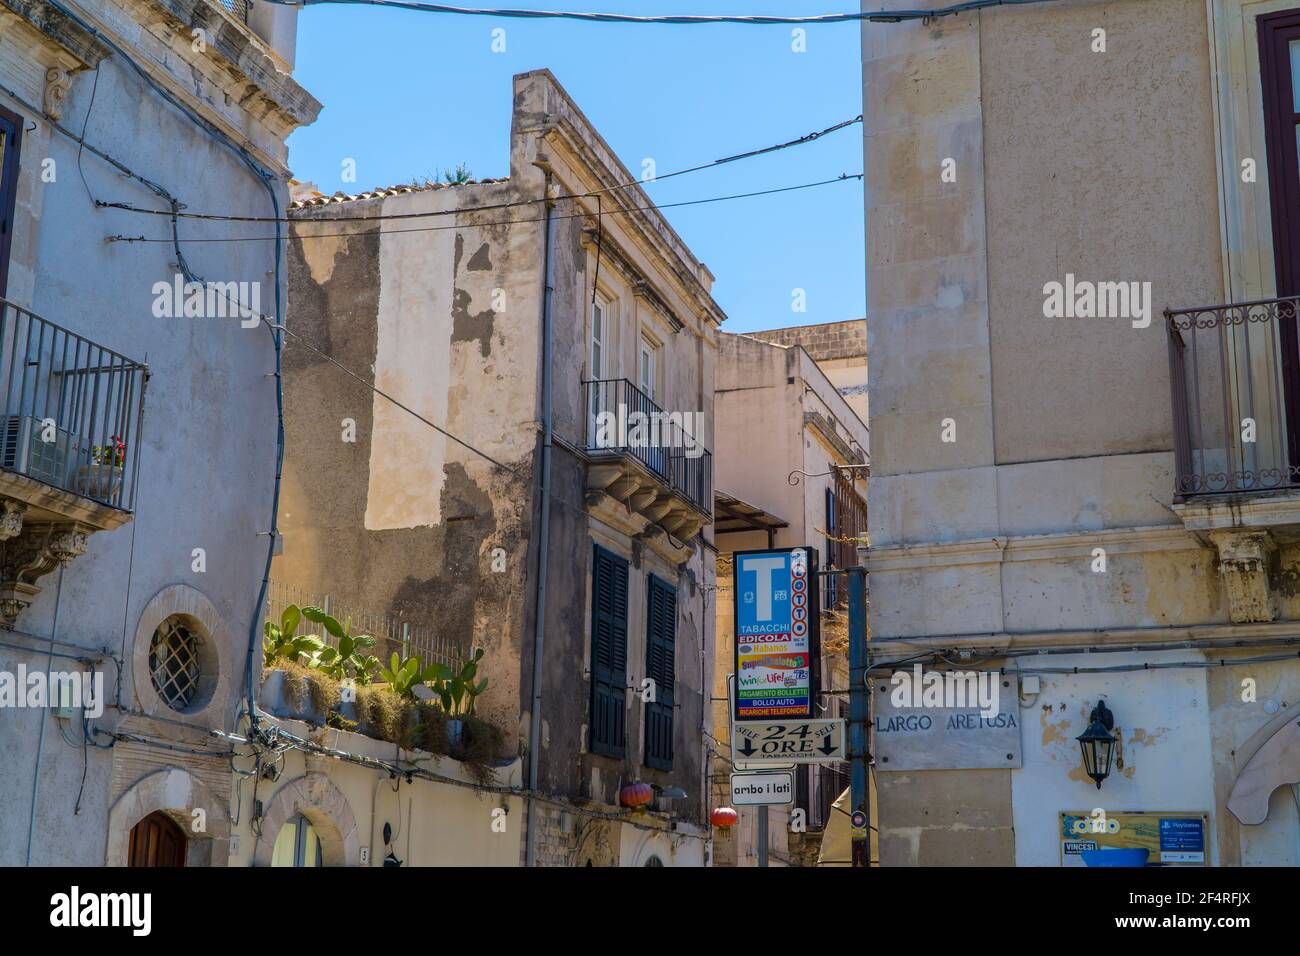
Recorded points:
(382,192)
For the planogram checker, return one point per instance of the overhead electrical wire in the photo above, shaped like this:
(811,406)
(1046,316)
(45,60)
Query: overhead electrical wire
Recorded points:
(843,177)
(763,151)
(882,16)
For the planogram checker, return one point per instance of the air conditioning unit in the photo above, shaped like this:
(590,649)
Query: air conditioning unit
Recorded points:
(24,450)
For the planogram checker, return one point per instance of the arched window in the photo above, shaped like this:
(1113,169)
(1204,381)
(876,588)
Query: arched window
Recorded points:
(297,844)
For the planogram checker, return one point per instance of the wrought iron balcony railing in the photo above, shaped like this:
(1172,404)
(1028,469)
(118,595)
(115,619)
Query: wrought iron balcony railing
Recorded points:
(622,419)
(1235,375)
(236,8)
(71,409)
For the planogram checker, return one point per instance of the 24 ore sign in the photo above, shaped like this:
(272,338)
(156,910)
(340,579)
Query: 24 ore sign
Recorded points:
(776,620)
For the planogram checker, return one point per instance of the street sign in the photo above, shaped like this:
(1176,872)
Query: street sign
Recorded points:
(776,620)
(762,789)
(787,741)
(739,765)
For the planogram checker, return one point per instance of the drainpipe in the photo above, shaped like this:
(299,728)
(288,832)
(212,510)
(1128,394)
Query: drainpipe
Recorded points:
(543,536)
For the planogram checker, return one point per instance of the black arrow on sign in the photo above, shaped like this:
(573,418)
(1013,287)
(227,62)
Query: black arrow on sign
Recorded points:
(748,748)
(827,747)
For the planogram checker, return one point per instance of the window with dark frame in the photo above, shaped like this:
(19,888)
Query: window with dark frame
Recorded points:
(608,653)
(660,666)
(1279,60)
(11,134)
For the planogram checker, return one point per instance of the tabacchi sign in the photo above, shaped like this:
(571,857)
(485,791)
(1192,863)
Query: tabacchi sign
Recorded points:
(776,619)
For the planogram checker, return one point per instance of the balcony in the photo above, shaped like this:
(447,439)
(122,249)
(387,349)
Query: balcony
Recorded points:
(647,458)
(69,436)
(1235,371)
(1235,376)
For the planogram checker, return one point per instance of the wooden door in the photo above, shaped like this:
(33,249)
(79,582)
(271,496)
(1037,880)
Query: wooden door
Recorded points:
(157,840)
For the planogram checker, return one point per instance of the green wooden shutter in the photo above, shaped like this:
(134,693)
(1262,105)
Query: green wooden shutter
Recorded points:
(608,653)
(661,650)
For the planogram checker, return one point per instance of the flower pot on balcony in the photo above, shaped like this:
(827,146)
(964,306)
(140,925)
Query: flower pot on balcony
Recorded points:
(99,481)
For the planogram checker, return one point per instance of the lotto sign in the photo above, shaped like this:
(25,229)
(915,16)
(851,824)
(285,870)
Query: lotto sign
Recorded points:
(776,621)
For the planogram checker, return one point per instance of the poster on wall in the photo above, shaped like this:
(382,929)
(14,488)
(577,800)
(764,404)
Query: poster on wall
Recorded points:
(1171,838)
(776,627)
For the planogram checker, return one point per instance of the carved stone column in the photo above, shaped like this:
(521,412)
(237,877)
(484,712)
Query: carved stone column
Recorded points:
(1244,561)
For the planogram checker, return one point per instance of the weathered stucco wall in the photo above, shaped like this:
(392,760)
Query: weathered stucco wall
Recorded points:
(450,321)
(387,512)
(206,452)
(432,823)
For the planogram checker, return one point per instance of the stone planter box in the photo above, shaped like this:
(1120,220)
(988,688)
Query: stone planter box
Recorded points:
(274,698)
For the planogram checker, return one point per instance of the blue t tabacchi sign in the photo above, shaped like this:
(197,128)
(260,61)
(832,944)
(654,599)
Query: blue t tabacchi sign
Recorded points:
(776,604)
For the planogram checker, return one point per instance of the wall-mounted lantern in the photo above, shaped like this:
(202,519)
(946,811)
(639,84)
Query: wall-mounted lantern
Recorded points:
(1098,743)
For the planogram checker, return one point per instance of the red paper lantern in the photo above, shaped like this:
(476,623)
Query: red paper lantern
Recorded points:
(723,817)
(636,794)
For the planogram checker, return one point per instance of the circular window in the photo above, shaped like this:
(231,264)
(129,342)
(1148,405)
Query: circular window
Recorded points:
(177,655)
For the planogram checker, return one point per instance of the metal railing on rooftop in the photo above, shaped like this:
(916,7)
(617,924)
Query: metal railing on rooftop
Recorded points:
(391,634)
(72,409)
(616,409)
(1235,376)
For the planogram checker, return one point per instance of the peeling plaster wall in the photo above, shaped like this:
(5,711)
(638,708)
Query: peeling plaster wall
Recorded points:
(404,520)
(450,323)
(1163,720)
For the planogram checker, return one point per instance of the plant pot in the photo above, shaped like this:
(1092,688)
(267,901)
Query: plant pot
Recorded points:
(99,481)
(274,698)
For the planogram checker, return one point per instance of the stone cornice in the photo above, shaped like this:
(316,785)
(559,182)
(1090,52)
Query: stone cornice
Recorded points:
(244,50)
(1037,547)
(560,131)
(1281,634)
(231,79)
(52,23)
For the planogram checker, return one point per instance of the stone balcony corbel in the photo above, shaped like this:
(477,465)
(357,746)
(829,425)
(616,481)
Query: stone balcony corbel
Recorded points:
(42,528)
(37,549)
(1245,560)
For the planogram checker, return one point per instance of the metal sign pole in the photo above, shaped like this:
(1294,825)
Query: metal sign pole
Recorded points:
(859,716)
(762,836)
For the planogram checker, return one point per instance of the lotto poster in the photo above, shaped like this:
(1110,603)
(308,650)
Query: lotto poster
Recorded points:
(775,603)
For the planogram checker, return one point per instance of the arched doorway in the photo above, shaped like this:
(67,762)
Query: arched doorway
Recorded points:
(157,840)
(297,844)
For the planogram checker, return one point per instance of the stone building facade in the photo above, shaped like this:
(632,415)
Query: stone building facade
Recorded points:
(1082,458)
(136,518)
(774,392)
(433,513)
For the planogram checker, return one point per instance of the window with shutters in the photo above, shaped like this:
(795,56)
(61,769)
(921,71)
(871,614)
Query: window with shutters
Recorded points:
(11,131)
(608,653)
(660,666)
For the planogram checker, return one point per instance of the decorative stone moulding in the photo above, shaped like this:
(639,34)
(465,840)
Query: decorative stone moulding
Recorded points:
(42,529)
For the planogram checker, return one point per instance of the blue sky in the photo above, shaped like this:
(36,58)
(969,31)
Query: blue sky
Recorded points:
(407,94)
